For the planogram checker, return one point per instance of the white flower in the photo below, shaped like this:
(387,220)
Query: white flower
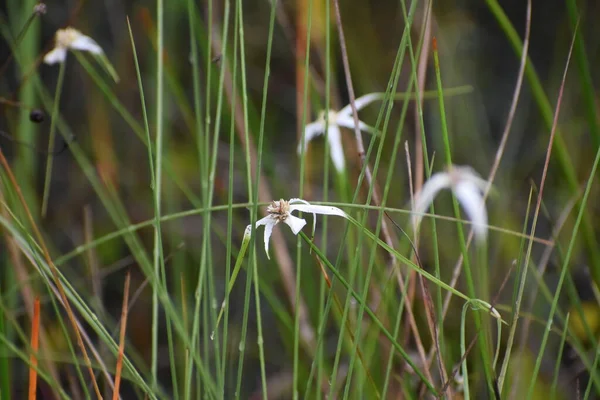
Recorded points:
(336,119)
(70,39)
(466,185)
(281,211)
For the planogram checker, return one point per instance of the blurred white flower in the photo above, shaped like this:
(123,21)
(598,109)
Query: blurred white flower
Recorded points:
(335,120)
(281,211)
(70,39)
(466,185)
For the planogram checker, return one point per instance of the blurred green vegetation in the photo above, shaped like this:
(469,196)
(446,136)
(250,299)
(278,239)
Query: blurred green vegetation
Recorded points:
(161,174)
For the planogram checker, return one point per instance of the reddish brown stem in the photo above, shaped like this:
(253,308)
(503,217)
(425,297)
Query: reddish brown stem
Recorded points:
(35,345)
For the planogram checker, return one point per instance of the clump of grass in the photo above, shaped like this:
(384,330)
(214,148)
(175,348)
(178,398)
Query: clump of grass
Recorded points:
(164,291)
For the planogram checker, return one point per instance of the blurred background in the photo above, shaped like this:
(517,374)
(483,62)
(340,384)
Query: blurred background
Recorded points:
(218,120)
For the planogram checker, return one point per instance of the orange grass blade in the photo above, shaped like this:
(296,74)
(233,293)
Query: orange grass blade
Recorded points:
(56,277)
(35,345)
(122,337)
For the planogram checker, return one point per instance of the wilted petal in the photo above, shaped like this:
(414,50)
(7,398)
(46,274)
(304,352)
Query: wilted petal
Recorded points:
(336,150)
(425,197)
(468,194)
(311,131)
(86,43)
(296,224)
(57,55)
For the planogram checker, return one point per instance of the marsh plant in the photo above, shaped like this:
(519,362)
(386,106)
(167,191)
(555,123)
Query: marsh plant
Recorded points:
(442,154)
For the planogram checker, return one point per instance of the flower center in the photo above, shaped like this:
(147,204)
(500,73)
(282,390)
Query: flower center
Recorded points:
(64,37)
(279,209)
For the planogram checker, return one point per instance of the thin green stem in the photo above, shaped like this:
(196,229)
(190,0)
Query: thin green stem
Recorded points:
(52,137)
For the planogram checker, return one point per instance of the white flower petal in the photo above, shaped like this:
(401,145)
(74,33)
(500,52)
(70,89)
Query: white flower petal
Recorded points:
(281,211)
(468,194)
(296,224)
(266,221)
(314,210)
(362,102)
(425,197)
(297,200)
(467,173)
(86,43)
(334,139)
(269,222)
(268,231)
(57,55)
(311,131)
(366,128)
(348,122)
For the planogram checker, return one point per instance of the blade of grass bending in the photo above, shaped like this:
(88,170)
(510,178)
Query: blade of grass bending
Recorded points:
(475,305)
(371,314)
(61,260)
(53,268)
(118,216)
(560,147)
(366,172)
(578,222)
(348,327)
(482,344)
(517,297)
(408,262)
(426,168)
(380,225)
(107,66)
(139,131)
(18,277)
(390,361)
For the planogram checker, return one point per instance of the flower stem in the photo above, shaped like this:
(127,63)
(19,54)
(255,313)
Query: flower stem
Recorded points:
(54,118)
